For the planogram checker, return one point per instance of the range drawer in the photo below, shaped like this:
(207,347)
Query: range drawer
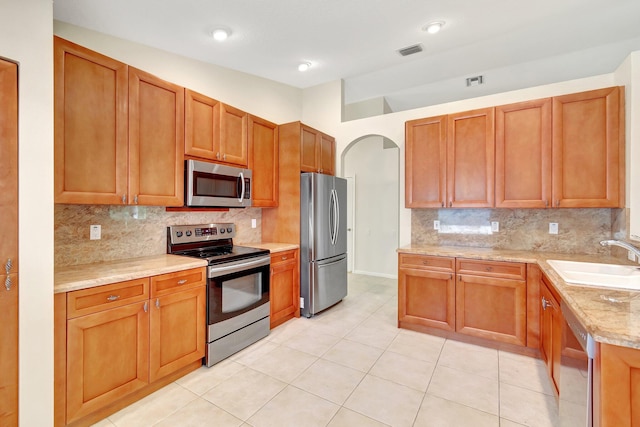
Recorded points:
(435,263)
(502,269)
(93,300)
(180,280)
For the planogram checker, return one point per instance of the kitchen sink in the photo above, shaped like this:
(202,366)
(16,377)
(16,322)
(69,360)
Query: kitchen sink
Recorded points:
(595,274)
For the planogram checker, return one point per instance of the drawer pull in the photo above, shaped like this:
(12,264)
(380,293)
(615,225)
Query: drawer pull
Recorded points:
(182,282)
(283,257)
(488,269)
(546,303)
(157,303)
(113,297)
(8,266)
(146,306)
(7,283)
(425,262)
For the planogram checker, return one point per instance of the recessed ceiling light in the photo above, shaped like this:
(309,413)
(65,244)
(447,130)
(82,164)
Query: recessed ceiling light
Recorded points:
(433,27)
(221,34)
(304,66)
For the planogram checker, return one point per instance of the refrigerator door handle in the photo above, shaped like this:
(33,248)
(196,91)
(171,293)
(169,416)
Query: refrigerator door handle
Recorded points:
(333,217)
(337,216)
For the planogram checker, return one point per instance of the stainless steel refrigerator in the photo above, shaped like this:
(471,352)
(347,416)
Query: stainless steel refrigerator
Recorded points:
(323,242)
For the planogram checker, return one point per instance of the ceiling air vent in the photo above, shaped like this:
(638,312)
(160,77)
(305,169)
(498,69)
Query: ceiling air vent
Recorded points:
(410,50)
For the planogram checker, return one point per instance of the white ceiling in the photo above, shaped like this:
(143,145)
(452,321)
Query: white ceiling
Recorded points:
(513,43)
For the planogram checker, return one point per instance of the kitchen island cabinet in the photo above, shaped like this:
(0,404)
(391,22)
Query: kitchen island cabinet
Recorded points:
(144,333)
(118,132)
(9,266)
(284,292)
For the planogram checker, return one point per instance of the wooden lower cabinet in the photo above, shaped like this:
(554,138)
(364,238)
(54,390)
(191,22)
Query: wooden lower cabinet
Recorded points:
(551,321)
(284,290)
(123,338)
(617,386)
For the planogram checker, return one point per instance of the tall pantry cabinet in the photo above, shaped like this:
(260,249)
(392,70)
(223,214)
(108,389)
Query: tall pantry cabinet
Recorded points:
(9,243)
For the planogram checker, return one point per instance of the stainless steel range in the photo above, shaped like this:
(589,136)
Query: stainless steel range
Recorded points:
(237,285)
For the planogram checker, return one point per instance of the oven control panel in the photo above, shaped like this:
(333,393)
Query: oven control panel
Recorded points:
(200,232)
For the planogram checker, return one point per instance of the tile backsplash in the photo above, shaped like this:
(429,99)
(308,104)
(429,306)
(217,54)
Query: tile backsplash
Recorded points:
(579,230)
(133,231)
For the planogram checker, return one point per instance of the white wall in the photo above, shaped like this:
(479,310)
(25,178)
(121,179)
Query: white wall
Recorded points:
(375,228)
(268,99)
(25,37)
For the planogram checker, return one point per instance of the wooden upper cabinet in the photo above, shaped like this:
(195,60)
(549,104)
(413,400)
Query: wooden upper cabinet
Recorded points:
(156,140)
(426,162)
(90,126)
(470,159)
(588,149)
(317,151)
(215,131)
(263,161)
(9,243)
(523,155)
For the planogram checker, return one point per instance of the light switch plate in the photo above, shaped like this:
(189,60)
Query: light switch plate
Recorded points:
(553,228)
(95,232)
(495,226)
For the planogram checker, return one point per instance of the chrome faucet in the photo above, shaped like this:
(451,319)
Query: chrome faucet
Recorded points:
(625,245)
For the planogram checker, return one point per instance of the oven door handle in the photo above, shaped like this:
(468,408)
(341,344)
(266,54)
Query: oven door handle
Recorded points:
(227,269)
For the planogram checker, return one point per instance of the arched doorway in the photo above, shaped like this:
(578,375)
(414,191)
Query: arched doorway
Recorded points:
(371,165)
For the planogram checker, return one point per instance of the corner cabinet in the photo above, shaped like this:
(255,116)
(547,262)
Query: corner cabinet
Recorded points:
(122,339)
(9,243)
(118,132)
(285,287)
(215,131)
(588,149)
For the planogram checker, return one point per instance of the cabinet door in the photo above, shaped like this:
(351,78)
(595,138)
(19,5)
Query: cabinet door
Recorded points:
(426,162)
(426,298)
(617,374)
(308,149)
(177,328)
(551,333)
(326,147)
(107,357)
(523,154)
(263,162)
(233,135)
(9,243)
(90,126)
(470,159)
(202,126)
(284,292)
(587,149)
(156,141)
(492,308)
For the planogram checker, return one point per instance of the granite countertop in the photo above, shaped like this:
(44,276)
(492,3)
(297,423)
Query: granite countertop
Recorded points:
(611,316)
(84,276)
(272,246)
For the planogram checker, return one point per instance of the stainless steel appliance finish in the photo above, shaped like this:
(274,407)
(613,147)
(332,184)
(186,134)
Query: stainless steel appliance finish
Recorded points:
(576,377)
(238,280)
(323,242)
(213,185)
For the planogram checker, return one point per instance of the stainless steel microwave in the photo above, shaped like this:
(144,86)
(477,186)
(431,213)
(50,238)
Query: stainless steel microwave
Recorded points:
(212,185)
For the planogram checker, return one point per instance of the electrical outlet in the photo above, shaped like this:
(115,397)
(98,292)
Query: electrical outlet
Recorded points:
(436,225)
(631,256)
(254,223)
(553,228)
(495,226)
(95,232)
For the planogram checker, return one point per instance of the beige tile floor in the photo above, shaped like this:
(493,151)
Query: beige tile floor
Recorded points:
(351,366)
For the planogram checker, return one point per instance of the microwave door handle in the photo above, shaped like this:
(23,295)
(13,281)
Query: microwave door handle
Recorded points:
(242,191)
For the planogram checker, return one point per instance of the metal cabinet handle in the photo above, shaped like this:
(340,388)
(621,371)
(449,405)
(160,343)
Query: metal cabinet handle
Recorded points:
(442,204)
(113,297)
(557,203)
(218,155)
(8,266)
(135,199)
(546,303)
(283,257)
(124,199)
(224,156)
(488,269)
(7,283)
(182,282)
(425,262)
(450,203)
(546,203)
(157,303)
(146,306)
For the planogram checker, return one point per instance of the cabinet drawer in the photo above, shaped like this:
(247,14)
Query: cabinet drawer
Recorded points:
(506,270)
(93,300)
(178,281)
(436,263)
(284,256)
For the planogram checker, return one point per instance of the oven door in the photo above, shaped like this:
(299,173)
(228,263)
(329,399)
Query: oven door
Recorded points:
(237,287)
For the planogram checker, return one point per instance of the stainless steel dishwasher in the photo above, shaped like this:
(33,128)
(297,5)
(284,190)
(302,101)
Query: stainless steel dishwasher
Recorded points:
(576,376)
